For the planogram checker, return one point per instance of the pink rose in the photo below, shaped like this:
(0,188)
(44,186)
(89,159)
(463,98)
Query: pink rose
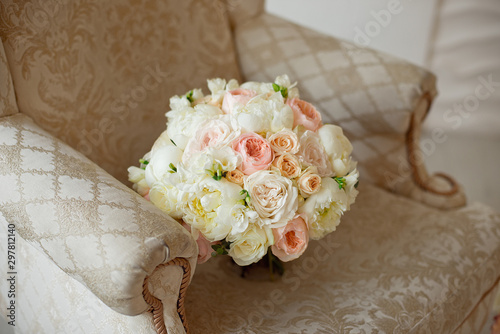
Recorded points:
(255,151)
(236,96)
(290,241)
(204,246)
(304,114)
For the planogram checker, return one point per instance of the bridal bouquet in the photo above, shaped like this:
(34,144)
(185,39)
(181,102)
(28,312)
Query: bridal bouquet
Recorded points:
(249,167)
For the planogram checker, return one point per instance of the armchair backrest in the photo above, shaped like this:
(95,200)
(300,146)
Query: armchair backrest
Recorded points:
(99,74)
(8,104)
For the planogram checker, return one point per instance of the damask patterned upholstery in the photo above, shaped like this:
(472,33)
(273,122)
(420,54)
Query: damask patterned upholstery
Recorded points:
(376,98)
(8,105)
(90,72)
(50,301)
(392,266)
(98,75)
(94,228)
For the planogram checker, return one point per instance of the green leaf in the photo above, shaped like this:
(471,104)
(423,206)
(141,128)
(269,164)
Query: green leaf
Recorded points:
(189,96)
(247,196)
(221,249)
(341,182)
(173,168)
(356,185)
(143,162)
(173,142)
(284,92)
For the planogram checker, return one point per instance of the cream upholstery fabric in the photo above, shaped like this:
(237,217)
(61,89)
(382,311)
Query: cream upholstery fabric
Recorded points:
(8,105)
(373,96)
(98,74)
(479,321)
(50,301)
(240,11)
(93,227)
(392,266)
(92,72)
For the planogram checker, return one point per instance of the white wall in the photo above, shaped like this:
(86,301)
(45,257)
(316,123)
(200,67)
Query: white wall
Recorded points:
(405,33)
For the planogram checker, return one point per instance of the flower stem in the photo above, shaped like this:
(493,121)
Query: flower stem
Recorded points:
(271,263)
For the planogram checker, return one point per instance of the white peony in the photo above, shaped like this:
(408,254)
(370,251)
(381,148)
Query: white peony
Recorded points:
(350,187)
(160,163)
(206,208)
(212,159)
(273,197)
(182,124)
(324,208)
(179,103)
(239,216)
(162,140)
(259,87)
(166,198)
(265,114)
(338,148)
(251,245)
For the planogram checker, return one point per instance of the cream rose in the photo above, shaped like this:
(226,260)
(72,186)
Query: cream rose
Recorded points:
(236,176)
(250,246)
(338,148)
(309,182)
(312,153)
(304,114)
(324,209)
(290,241)
(288,165)
(255,151)
(273,197)
(285,141)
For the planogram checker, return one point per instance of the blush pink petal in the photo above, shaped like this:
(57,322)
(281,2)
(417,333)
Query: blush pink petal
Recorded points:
(204,246)
(291,240)
(236,96)
(255,151)
(304,114)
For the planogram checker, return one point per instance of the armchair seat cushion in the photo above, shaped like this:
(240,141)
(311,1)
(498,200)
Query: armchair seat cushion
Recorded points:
(392,266)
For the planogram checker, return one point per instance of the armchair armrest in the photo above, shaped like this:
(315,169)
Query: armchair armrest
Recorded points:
(90,225)
(380,101)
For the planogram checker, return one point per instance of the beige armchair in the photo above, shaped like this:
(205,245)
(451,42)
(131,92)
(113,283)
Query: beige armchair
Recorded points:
(84,86)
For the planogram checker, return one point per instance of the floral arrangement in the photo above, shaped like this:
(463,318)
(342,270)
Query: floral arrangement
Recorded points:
(247,168)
